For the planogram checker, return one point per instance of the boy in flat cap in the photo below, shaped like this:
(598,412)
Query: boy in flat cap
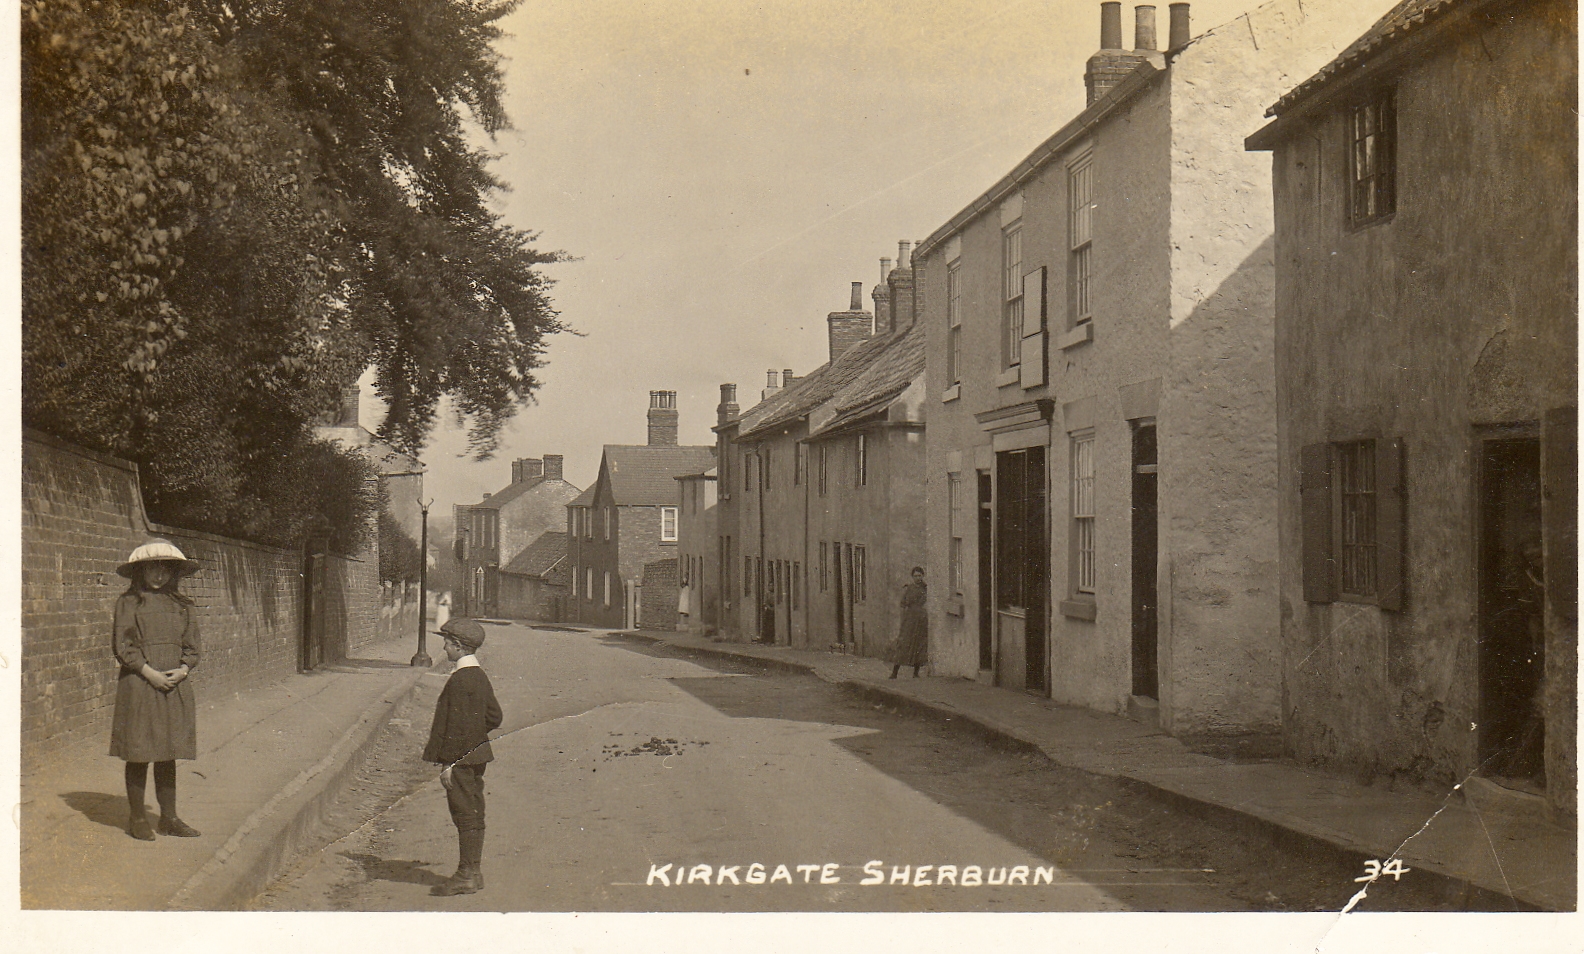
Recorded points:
(465,715)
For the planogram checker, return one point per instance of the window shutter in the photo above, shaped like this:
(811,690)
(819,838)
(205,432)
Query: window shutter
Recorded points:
(1314,488)
(1391,539)
(1032,373)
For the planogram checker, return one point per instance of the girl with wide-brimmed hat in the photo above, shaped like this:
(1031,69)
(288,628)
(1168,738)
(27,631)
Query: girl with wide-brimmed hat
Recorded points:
(155,638)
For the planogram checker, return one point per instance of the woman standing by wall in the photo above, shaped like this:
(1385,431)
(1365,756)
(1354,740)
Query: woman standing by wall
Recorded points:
(155,639)
(912,644)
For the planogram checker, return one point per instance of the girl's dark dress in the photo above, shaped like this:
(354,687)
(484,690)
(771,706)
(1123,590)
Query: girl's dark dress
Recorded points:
(912,645)
(150,725)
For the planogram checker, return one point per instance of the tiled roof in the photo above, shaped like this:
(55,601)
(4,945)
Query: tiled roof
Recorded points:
(512,491)
(540,556)
(1404,18)
(644,475)
(899,362)
(584,499)
(813,389)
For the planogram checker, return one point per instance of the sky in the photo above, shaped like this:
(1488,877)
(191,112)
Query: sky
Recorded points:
(722,171)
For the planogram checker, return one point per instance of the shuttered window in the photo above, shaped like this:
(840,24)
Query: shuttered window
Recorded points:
(1352,508)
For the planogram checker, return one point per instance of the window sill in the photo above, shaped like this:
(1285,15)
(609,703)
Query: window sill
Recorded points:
(1078,609)
(954,606)
(1011,376)
(951,394)
(1083,334)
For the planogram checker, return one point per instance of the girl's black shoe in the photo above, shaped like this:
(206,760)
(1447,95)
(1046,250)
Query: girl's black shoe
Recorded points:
(140,829)
(176,827)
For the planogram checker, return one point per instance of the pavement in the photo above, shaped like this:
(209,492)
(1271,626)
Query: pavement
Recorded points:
(270,762)
(1478,839)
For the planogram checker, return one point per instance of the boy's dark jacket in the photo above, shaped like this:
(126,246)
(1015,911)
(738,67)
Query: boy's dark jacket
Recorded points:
(464,716)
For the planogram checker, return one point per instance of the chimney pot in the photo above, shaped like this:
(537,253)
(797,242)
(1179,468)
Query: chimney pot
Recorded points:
(1111,26)
(662,419)
(771,379)
(856,304)
(1180,32)
(885,270)
(1144,27)
(904,254)
(786,377)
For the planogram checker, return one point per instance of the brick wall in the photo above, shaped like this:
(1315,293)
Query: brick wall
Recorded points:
(82,513)
(659,603)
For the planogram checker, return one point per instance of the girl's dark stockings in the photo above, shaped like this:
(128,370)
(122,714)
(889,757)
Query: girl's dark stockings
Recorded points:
(164,787)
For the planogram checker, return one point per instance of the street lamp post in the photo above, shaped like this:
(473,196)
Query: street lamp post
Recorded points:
(421,658)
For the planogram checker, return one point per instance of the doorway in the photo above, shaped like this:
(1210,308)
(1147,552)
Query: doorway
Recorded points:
(1022,566)
(841,604)
(1512,613)
(1146,675)
(986,579)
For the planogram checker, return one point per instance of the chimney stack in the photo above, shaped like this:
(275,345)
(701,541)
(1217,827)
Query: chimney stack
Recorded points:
(772,384)
(662,419)
(1143,28)
(882,299)
(552,467)
(526,468)
(1112,64)
(349,406)
(1180,32)
(899,314)
(847,328)
(727,410)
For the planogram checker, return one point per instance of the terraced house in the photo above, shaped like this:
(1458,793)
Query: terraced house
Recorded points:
(1102,454)
(1427,358)
(819,506)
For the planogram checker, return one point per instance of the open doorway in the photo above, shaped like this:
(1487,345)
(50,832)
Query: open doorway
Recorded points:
(1146,677)
(1512,614)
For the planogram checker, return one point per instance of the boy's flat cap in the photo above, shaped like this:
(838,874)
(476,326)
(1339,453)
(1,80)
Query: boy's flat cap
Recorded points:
(467,632)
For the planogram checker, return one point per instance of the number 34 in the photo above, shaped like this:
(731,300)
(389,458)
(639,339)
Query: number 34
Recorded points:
(1374,869)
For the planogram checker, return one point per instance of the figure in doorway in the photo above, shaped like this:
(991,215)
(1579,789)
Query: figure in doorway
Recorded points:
(912,643)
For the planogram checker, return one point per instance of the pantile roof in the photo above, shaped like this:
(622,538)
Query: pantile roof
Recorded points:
(541,556)
(814,389)
(898,364)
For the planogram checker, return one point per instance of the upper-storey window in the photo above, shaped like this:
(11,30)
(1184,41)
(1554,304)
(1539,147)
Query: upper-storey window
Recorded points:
(1372,159)
(953,323)
(1080,229)
(668,524)
(1012,295)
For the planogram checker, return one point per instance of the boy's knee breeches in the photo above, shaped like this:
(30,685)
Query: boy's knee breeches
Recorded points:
(465,797)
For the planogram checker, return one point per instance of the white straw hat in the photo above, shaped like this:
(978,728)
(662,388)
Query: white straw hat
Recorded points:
(158,550)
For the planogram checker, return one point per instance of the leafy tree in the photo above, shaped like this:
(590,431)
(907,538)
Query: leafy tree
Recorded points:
(399,558)
(230,210)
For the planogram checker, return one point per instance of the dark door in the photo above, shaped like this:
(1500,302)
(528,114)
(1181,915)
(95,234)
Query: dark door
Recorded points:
(1036,555)
(986,569)
(841,602)
(311,653)
(1022,579)
(1512,613)
(1146,679)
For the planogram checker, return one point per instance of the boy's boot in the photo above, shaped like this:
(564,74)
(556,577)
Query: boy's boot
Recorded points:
(468,878)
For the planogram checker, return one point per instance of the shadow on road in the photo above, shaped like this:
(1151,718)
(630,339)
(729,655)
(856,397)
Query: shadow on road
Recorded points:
(1117,835)
(107,810)
(376,868)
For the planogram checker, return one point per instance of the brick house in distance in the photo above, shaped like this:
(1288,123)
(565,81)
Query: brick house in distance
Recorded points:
(820,506)
(1101,483)
(492,532)
(1427,368)
(629,519)
(698,553)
